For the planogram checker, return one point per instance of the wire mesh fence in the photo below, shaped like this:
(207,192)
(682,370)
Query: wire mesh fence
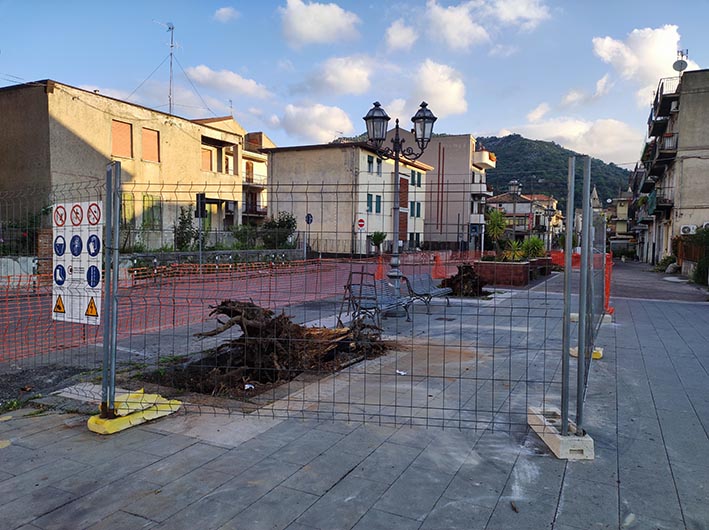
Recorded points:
(244,310)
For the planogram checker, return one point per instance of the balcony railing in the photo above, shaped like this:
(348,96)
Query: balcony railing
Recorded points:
(260,211)
(665,197)
(255,179)
(667,91)
(668,142)
(484,159)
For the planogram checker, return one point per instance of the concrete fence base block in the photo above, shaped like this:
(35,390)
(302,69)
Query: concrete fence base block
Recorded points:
(546,422)
(574,317)
(607,319)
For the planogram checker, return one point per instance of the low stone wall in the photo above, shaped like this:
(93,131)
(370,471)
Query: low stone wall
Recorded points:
(514,274)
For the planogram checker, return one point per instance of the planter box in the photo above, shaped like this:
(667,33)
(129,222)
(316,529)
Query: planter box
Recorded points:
(515,274)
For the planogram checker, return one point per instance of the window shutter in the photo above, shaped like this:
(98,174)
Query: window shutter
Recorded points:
(151,145)
(121,139)
(206,160)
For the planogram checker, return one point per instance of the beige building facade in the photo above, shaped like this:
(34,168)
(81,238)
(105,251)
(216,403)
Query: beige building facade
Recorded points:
(346,192)
(57,139)
(671,196)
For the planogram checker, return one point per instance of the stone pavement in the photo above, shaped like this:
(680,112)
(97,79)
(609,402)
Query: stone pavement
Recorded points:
(647,409)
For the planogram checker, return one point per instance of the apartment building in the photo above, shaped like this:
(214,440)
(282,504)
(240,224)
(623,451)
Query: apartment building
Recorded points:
(669,184)
(341,193)
(56,140)
(529,215)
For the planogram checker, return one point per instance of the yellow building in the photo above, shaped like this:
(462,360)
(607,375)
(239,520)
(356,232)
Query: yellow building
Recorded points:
(56,141)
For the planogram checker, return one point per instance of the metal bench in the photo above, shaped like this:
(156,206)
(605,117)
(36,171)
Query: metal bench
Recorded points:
(366,296)
(423,287)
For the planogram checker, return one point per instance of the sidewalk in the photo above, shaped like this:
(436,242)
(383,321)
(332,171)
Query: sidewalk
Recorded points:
(647,411)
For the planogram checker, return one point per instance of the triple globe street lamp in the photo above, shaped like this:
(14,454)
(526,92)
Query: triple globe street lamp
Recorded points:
(514,187)
(377,121)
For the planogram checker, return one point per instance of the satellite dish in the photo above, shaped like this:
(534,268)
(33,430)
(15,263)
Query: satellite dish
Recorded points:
(680,65)
(609,201)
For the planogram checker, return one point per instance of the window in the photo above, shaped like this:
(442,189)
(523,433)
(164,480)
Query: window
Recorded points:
(370,164)
(249,171)
(206,160)
(378,203)
(127,210)
(418,179)
(151,145)
(379,167)
(152,212)
(412,209)
(370,198)
(418,209)
(121,139)
(412,180)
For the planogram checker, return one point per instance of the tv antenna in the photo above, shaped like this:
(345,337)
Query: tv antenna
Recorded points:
(171,28)
(680,65)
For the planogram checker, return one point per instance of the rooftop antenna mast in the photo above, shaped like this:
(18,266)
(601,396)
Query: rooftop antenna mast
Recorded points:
(171,29)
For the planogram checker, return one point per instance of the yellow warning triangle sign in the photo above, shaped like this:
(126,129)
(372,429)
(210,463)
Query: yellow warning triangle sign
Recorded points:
(91,310)
(59,305)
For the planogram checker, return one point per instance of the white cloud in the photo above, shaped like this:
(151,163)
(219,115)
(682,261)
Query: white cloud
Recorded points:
(316,23)
(527,14)
(503,50)
(603,86)
(315,123)
(225,14)
(399,36)
(227,81)
(442,87)
(578,97)
(608,139)
(455,25)
(573,97)
(343,75)
(644,57)
(538,112)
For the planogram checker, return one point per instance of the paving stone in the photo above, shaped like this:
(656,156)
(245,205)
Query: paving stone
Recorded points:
(251,485)
(381,520)
(481,482)
(65,430)
(36,478)
(96,506)
(276,510)
(649,493)
(323,472)
(445,455)
(583,503)
(364,440)
(344,504)
(167,444)
(176,465)
(414,493)
(412,436)
(205,514)
(95,477)
(308,446)
(35,504)
(387,463)
(121,520)
(449,513)
(189,488)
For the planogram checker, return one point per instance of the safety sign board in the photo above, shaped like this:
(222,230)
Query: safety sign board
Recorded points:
(77,283)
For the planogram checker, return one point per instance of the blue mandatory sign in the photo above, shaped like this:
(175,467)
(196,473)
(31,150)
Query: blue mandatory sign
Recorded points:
(308,218)
(59,245)
(93,276)
(59,274)
(93,245)
(75,245)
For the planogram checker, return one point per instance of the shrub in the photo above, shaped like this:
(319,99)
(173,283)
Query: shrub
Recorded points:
(701,271)
(533,248)
(514,251)
(664,263)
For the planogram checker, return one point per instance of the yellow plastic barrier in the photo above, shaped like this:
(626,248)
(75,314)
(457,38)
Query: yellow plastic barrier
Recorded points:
(133,409)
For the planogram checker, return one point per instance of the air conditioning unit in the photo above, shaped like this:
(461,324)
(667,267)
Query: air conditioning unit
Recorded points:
(706,225)
(674,106)
(686,230)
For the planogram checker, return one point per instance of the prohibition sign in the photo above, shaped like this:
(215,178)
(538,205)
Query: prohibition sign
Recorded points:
(93,214)
(77,215)
(59,215)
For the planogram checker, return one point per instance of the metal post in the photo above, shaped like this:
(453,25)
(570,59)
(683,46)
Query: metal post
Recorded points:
(566,334)
(583,293)
(394,272)
(115,243)
(514,216)
(107,286)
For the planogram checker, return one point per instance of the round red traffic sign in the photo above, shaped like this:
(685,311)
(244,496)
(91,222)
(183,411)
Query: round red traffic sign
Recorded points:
(93,214)
(59,215)
(76,215)
(360,223)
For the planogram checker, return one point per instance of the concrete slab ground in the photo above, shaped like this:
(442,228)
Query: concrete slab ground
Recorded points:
(647,410)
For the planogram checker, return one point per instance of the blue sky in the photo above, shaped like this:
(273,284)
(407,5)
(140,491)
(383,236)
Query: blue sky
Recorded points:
(581,73)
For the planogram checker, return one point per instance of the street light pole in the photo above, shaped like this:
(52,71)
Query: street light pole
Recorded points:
(514,187)
(376,121)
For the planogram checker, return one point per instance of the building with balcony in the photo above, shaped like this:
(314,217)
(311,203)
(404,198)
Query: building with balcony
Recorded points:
(529,215)
(56,141)
(670,192)
(341,193)
(457,191)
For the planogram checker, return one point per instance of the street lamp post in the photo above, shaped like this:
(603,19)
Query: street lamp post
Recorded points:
(550,212)
(514,188)
(376,121)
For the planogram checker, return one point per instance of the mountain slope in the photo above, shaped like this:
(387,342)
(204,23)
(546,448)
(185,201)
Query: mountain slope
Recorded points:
(542,167)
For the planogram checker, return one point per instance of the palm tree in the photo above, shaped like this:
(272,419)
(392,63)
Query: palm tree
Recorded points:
(495,227)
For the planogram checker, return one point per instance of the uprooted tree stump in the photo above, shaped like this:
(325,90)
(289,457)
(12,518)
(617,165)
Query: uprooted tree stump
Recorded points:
(272,348)
(466,282)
